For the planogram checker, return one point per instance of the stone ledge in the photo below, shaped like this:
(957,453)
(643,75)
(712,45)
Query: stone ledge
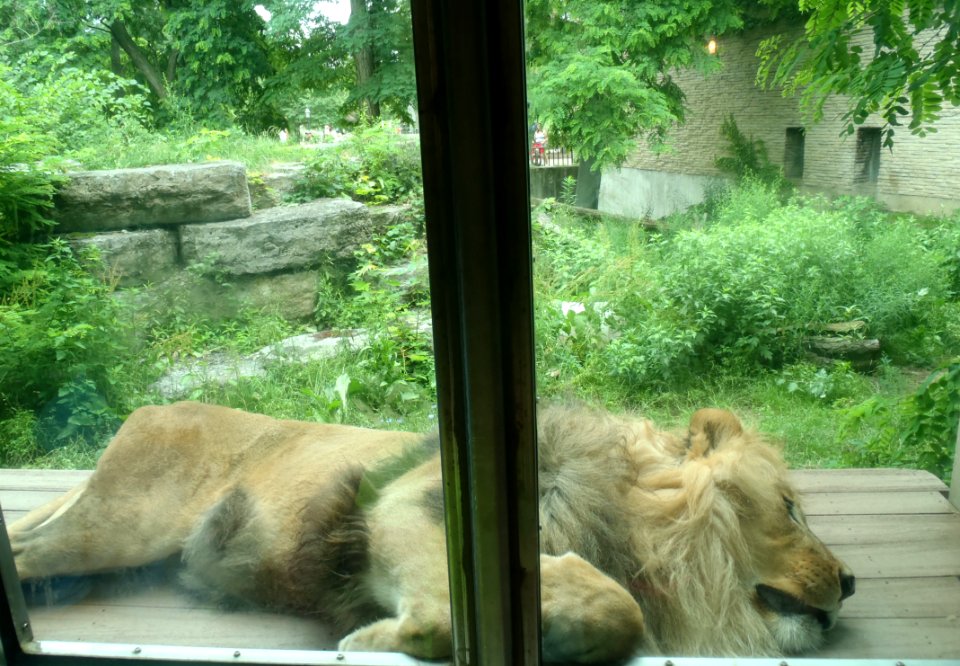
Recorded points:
(157,196)
(134,258)
(281,239)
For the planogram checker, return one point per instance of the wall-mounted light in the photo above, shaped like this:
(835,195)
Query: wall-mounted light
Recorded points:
(712,46)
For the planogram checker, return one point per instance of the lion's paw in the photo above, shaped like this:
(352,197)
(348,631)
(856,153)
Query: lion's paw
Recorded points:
(407,636)
(587,617)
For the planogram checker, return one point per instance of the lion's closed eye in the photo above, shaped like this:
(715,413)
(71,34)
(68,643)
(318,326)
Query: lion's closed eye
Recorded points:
(793,511)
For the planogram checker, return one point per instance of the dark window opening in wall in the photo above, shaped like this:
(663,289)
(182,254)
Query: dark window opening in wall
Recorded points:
(793,153)
(867,163)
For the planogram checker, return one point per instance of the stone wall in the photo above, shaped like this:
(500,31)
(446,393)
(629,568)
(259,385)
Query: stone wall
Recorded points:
(919,175)
(189,234)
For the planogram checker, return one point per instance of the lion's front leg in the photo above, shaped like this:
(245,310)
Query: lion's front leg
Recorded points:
(586,616)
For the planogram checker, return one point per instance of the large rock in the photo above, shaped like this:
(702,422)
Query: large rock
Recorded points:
(134,257)
(281,239)
(152,197)
(272,187)
(290,295)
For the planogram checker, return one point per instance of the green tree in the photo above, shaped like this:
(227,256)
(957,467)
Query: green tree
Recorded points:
(600,73)
(210,58)
(896,59)
(380,38)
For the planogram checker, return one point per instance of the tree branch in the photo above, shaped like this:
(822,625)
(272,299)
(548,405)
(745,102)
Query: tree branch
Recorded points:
(119,32)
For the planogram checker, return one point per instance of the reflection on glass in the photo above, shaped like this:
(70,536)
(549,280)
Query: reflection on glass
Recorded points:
(247,231)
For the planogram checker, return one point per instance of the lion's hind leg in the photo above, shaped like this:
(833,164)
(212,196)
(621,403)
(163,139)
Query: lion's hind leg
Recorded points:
(83,533)
(45,512)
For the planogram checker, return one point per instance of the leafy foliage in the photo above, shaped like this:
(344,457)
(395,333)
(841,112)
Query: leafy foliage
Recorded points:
(82,110)
(747,157)
(26,183)
(743,292)
(895,59)
(373,165)
(66,342)
(919,430)
(380,37)
(598,72)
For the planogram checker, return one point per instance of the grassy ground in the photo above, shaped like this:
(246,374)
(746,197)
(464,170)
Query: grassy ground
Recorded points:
(706,320)
(257,152)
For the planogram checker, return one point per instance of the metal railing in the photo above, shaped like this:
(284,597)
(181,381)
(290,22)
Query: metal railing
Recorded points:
(546,155)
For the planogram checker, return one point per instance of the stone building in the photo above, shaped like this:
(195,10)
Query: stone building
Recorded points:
(920,175)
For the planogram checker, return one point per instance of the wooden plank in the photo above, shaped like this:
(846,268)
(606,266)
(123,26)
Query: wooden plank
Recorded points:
(41,479)
(807,480)
(180,626)
(900,560)
(865,638)
(904,598)
(874,503)
(24,500)
(12,516)
(835,530)
(865,480)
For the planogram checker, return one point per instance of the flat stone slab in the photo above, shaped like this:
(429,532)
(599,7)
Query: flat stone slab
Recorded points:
(95,201)
(281,239)
(134,258)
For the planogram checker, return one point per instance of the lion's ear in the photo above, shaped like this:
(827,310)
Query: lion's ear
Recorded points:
(709,429)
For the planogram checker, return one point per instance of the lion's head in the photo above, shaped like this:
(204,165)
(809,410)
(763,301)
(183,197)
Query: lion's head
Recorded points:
(726,558)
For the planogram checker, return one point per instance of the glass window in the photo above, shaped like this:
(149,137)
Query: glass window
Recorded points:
(793,152)
(867,162)
(196,511)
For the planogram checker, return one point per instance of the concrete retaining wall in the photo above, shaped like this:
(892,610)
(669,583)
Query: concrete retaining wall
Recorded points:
(547,181)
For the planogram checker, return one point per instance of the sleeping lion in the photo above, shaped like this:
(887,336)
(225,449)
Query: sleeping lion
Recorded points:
(651,542)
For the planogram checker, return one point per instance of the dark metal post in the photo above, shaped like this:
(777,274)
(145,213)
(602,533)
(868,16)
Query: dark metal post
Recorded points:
(470,79)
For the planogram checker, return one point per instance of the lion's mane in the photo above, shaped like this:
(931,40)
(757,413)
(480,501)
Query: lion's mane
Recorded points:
(663,519)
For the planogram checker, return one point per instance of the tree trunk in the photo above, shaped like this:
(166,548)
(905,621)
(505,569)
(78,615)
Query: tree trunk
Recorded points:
(154,80)
(363,57)
(172,58)
(116,65)
(588,185)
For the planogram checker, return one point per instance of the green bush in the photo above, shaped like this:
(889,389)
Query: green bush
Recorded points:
(67,350)
(744,291)
(746,157)
(916,431)
(18,442)
(26,183)
(85,110)
(373,165)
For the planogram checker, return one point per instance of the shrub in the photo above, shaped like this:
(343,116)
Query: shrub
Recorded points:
(746,157)
(917,431)
(67,346)
(744,291)
(26,183)
(373,165)
(85,110)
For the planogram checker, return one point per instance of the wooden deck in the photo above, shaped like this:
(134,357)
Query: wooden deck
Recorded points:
(894,528)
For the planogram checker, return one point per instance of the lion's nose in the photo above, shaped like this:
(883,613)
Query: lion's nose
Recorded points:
(848,585)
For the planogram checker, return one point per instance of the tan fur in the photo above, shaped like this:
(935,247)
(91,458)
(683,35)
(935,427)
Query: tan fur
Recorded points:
(682,544)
